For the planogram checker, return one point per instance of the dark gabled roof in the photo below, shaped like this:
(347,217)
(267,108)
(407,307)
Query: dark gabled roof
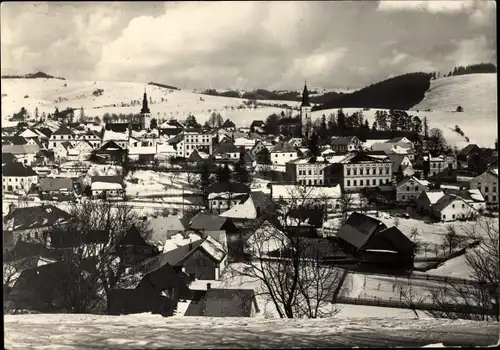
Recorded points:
(358,229)
(55,184)
(397,159)
(8,158)
(46,131)
(258,123)
(232,187)
(283,147)
(247,158)
(468,149)
(14,140)
(122,127)
(208,222)
(395,139)
(445,200)
(133,237)
(228,124)
(66,144)
(342,141)
(263,201)
(63,130)
(106,178)
(35,217)
(17,169)
(226,147)
(391,239)
(224,303)
(107,145)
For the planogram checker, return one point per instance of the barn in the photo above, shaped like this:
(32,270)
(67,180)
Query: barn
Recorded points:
(371,241)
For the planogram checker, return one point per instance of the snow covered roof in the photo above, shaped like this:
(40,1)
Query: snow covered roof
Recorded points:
(308,192)
(106,186)
(110,135)
(434,196)
(178,240)
(28,134)
(241,141)
(162,226)
(245,210)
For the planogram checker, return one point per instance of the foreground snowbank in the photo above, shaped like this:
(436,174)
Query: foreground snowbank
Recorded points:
(151,331)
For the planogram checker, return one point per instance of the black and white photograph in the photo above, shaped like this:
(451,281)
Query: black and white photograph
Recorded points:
(250,174)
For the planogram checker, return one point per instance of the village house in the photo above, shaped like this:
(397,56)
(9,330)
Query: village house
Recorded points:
(440,163)
(61,151)
(258,126)
(451,207)
(60,188)
(392,144)
(228,125)
(205,258)
(164,228)
(473,197)
(253,207)
(260,153)
(467,153)
(283,152)
(170,128)
(227,150)
(224,195)
(18,178)
(91,137)
(24,153)
(132,248)
(401,163)
(109,152)
(108,186)
(44,157)
(206,224)
(29,224)
(244,142)
(410,188)
(81,150)
(427,199)
(312,171)
(189,140)
(63,134)
(361,170)
(198,158)
(346,144)
(307,196)
(221,302)
(370,239)
(487,183)
(120,138)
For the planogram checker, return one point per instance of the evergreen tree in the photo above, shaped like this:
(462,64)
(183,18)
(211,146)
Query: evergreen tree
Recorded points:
(204,183)
(82,115)
(381,119)
(374,126)
(417,125)
(153,124)
(394,120)
(313,145)
(332,124)
(36,113)
(426,128)
(366,125)
(341,122)
(323,130)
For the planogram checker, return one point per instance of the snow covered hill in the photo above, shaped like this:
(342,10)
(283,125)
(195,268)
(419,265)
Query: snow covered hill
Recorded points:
(54,331)
(47,94)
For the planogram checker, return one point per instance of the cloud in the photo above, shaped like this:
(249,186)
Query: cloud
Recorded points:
(246,45)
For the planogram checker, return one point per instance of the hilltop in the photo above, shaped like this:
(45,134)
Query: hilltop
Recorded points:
(36,75)
(117,97)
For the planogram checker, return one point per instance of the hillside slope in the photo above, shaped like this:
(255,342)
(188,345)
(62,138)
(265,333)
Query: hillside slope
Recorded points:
(47,94)
(153,331)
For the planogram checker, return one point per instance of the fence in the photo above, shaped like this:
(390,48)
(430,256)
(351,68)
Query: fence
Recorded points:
(457,308)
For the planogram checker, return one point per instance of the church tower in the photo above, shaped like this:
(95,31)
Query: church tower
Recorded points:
(305,113)
(145,116)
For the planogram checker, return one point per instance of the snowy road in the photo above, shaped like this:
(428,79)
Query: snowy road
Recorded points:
(149,331)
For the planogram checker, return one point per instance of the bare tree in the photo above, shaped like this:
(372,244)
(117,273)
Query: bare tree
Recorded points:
(451,239)
(288,266)
(483,293)
(91,264)
(345,203)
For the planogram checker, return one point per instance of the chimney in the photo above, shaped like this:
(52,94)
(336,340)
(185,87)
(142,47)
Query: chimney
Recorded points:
(209,285)
(190,244)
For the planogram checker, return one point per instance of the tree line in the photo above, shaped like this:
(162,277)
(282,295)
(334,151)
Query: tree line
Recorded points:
(473,69)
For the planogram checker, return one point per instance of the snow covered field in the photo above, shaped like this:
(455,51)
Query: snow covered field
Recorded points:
(64,331)
(156,183)
(44,94)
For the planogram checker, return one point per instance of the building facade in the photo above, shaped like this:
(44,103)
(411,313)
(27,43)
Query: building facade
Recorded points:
(487,183)
(360,171)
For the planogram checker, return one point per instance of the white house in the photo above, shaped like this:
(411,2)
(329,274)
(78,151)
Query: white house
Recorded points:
(90,136)
(487,183)
(283,152)
(410,188)
(394,143)
(248,144)
(346,144)
(25,154)
(80,151)
(18,178)
(63,134)
(451,207)
(61,151)
(314,196)
(427,199)
(109,189)
(187,141)
(120,138)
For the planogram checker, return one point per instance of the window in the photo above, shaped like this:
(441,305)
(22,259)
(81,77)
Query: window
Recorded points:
(494,189)
(290,155)
(387,171)
(453,216)
(444,217)
(309,182)
(354,182)
(348,183)
(320,182)
(403,197)
(380,171)
(276,155)
(380,182)
(374,171)
(321,172)
(361,182)
(360,171)
(453,205)
(315,181)
(494,198)
(485,189)
(309,172)
(463,205)
(355,171)
(348,172)
(407,188)
(416,188)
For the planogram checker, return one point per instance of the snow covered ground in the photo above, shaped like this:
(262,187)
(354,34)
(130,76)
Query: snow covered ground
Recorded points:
(64,331)
(44,94)
(156,183)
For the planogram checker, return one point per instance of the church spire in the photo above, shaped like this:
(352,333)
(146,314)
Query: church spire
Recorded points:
(145,108)
(305,96)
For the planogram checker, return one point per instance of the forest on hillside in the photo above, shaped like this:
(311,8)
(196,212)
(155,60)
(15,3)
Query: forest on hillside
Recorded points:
(401,92)
(473,69)
(36,75)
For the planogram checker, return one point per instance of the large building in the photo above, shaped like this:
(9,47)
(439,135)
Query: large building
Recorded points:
(306,171)
(361,170)
(487,183)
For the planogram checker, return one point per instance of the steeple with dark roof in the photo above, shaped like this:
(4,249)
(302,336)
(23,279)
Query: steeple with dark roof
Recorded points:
(145,108)
(305,96)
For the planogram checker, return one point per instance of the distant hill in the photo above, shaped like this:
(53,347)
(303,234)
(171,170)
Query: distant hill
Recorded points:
(263,94)
(401,92)
(36,75)
(164,86)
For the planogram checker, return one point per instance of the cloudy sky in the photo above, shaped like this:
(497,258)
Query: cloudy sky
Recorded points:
(246,45)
